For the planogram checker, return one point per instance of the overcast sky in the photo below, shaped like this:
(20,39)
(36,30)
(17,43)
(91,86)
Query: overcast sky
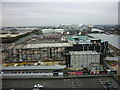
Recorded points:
(55,13)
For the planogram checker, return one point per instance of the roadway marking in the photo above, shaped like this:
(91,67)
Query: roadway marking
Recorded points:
(102,84)
(73,84)
(14,85)
(44,83)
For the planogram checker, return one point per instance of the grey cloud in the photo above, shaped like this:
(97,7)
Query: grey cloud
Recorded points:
(58,13)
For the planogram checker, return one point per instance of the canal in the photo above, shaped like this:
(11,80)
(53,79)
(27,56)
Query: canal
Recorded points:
(112,39)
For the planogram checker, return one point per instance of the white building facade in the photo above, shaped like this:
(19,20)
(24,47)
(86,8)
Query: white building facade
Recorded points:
(80,59)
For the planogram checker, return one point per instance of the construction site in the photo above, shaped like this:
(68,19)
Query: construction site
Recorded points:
(55,55)
(40,48)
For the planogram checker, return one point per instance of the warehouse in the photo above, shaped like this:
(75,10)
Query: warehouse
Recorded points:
(83,58)
(31,69)
(52,31)
(36,52)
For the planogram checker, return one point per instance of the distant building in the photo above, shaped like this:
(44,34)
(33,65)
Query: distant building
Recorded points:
(61,31)
(47,31)
(52,31)
(97,30)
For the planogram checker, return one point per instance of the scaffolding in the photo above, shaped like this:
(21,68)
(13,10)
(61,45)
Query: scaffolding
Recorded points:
(36,52)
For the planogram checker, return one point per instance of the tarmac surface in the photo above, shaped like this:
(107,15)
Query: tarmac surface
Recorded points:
(72,84)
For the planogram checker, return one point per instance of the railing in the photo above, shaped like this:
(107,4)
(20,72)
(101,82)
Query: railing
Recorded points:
(28,76)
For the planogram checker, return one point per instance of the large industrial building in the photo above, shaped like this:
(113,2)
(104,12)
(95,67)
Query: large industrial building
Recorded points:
(36,52)
(83,58)
(86,43)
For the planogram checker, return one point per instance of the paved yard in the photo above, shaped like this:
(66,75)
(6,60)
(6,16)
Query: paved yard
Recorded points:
(83,83)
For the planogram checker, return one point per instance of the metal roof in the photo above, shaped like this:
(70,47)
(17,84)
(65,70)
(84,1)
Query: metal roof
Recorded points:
(43,45)
(82,52)
(33,67)
(80,36)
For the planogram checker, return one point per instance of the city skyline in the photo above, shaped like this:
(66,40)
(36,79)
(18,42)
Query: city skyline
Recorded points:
(56,13)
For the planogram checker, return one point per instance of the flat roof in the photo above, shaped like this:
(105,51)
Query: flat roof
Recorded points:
(80,36)
(9,35)
(16,46)
(42,45)
(82,52)
(80,41)
(33,67)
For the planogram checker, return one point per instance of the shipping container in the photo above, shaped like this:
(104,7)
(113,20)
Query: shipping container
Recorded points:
(79,73)
(65,73)
(86,72)
(72,73)
(102,72)
(55,74)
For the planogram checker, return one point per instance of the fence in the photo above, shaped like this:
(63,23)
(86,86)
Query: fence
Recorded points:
(29,76)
